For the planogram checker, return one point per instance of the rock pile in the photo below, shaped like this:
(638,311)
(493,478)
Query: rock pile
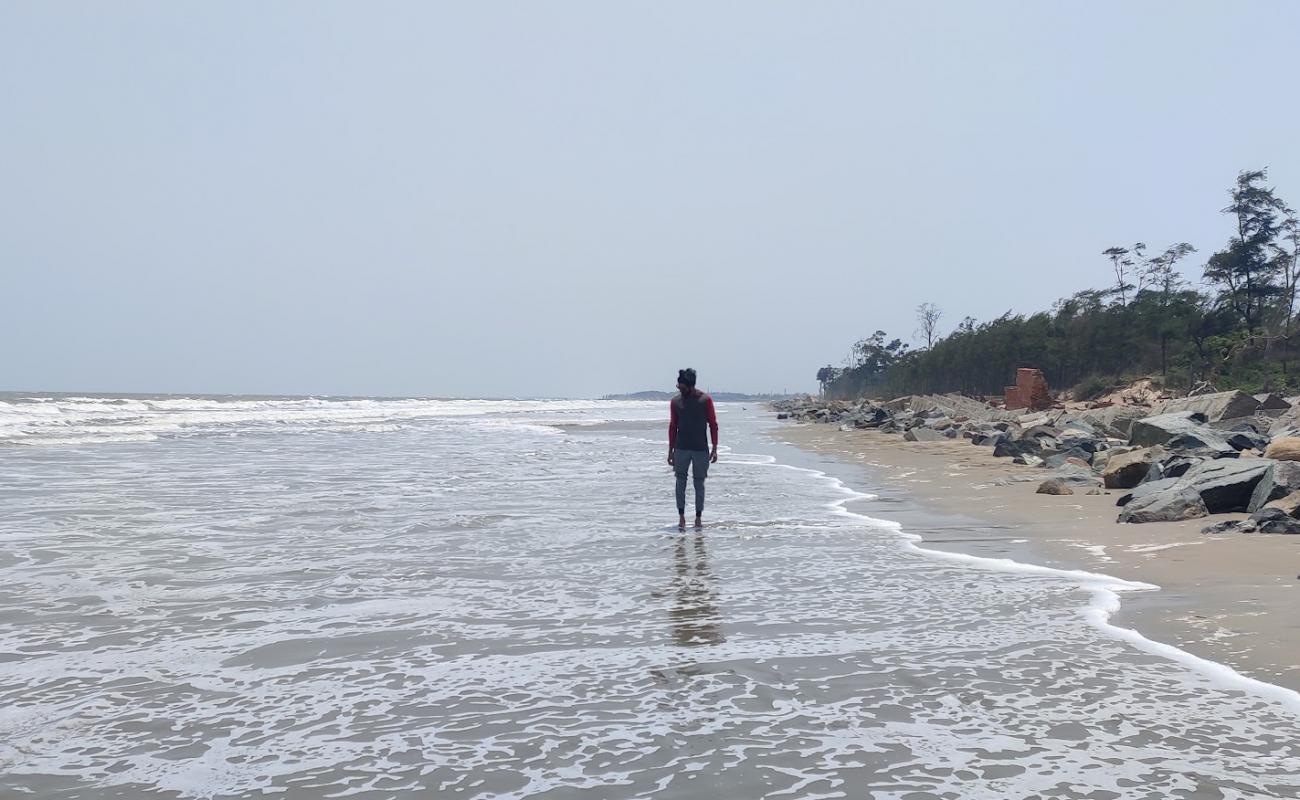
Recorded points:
(1180,459)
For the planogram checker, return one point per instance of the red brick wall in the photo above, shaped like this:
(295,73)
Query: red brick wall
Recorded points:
(1029,392)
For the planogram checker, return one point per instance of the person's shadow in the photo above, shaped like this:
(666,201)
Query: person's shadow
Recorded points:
(694,611)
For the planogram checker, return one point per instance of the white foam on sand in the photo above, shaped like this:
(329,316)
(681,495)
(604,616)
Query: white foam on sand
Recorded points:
(1104,593)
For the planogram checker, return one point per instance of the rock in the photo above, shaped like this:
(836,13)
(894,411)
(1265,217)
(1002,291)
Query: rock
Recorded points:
(1057,486)
(1168,506)
(1271,402)
(924,435)
(1226,484)
(1275,520)
(1284,448)
(1290,504)
(1215,407)
(1156,473)
(1040,432)
(1005,448)
(1081,427)
(1055,460)
(1247,440)
(1080,442)
(1281,478)
(1178,466)
(1226,526)
(1204,443)
(1163,427)
(1096,490)
(783,416)
(1146,490)
(1124,470)
(1112,420)
(1028,460)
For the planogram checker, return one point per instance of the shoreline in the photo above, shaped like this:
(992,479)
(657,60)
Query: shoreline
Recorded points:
(1221,599)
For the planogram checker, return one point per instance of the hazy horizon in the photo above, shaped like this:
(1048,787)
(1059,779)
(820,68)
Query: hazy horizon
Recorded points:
(577,199)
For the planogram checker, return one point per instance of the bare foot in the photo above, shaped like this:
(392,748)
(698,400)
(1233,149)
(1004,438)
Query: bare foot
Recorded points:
(681,522)
(699,524)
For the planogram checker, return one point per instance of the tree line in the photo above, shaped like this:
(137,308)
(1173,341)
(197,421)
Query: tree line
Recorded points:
(1234,332)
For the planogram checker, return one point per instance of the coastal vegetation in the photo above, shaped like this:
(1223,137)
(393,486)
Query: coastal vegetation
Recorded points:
(1235,331)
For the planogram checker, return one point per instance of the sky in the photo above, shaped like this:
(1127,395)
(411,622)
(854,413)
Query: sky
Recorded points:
(565,199)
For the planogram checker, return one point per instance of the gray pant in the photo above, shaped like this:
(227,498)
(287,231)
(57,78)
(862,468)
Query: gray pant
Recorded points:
(698,462)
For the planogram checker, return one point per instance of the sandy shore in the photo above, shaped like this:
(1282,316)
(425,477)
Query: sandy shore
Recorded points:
(1233,599)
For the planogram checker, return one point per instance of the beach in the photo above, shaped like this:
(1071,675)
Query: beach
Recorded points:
(1230,599)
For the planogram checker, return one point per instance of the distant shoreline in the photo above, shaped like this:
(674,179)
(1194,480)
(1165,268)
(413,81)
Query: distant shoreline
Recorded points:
(721,397)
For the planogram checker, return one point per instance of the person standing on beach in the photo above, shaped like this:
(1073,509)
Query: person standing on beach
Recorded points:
(690,413)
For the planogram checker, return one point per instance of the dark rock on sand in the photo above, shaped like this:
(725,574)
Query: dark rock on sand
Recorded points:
(1124,470)
(1054,486)
(1274,520)
(1179,502)
(1267,520)
(1226,484)
(1280,479)
(1147,489)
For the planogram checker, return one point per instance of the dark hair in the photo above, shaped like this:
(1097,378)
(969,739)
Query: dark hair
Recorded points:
(686,376)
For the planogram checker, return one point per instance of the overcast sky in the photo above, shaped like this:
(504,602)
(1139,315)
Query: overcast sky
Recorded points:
(569,199)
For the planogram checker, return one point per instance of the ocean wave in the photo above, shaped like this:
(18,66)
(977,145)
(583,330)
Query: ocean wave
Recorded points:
(86,419)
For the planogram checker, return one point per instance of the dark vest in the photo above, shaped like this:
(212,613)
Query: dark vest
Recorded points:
(692,422)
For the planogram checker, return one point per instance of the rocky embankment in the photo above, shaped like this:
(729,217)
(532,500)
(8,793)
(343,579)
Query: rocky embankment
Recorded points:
(1174,460)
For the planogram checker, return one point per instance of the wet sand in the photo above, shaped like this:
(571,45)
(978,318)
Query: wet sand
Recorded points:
(1234,598)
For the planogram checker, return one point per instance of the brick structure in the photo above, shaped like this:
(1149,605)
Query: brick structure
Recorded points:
(1029,392)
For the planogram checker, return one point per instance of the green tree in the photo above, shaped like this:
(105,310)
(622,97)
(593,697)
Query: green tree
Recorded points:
(1246,270)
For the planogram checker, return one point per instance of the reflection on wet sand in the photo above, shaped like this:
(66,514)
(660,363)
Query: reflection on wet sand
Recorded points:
(694,612)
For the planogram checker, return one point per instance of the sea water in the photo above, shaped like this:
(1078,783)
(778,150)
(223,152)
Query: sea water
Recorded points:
(310,598)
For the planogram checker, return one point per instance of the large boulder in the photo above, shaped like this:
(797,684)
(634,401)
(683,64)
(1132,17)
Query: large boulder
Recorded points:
(1290,504)
(1226,484)
(1217,406)
(1054,460)
(1161,428)
(1112,420)
(1284,448)
(1280,479)
(1203,442)
(1126,469)
(1272,402)
(1147,489)
(1176,503)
